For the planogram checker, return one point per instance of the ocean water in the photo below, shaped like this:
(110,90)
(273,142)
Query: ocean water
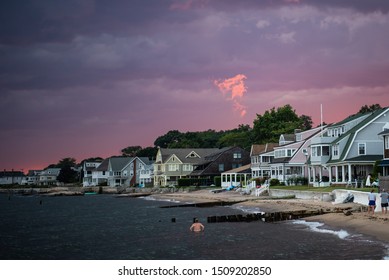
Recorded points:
(103,227)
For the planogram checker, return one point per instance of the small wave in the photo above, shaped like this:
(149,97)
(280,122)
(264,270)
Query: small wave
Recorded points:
(248,209)
(315,226)
(159,199)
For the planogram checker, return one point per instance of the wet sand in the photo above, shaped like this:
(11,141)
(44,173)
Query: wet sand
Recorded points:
(359,221)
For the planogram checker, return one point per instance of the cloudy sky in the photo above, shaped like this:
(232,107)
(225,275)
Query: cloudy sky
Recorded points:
(86,78)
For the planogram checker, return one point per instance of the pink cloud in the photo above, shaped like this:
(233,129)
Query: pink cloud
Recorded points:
(237,88)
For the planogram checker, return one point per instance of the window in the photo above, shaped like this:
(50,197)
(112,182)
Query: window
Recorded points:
(173,167)
(362,149)
(386,139)
(221,167)
(237,155)
(335,150)
(187,167)
(326,151)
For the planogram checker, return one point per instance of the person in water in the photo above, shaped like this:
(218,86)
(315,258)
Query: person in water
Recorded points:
(196,226)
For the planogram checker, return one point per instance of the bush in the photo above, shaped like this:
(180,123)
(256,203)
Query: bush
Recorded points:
(274,182)
(187,182)
(217,181)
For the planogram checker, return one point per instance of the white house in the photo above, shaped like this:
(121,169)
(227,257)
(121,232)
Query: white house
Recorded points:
(32,177)
(87,169)
(11,177)
(49,176)
(129,171)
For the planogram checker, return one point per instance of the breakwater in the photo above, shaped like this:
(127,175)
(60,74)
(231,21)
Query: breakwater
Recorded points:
(275,216)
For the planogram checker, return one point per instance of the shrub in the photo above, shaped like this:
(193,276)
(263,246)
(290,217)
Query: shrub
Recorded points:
(274,182)
(218,181)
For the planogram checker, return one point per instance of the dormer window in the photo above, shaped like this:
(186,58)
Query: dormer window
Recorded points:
(193,155)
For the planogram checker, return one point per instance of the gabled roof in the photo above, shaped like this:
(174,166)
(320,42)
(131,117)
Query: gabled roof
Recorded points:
(118,163)
(258,149)
(103,166)
(145,160)
(351,132)
(182,154)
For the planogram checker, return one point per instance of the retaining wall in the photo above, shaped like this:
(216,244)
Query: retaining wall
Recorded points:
(336,196)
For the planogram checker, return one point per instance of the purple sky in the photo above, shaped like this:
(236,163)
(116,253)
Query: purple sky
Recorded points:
(85,78)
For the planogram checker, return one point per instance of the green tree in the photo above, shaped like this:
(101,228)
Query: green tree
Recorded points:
(67,175)
(241,137)
(283,120)
(65,162)
(131,151)
(367,109)
(170,137)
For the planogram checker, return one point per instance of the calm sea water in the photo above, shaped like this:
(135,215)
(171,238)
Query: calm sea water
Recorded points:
(102,227)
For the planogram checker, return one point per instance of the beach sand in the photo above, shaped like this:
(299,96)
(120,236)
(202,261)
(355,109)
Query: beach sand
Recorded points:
(376,226)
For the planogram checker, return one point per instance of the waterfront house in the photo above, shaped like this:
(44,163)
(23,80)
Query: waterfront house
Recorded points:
(32,177)
(290,156)
(349,149)
(48,177)
(218,162)
(100,174)
(87,169)
(172,164)
(11,177)
(261,156)
(129,171)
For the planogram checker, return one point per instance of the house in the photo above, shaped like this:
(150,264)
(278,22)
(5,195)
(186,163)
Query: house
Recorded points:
(173,164)
(261,156)
(100,174)
(48,177)
(348,151)
(87,169)
(218,162)
(129,171)
(32,177)
(11,177)
(290,157)
(145,171)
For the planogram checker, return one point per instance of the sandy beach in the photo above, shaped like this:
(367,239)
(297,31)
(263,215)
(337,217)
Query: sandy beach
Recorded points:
(376,226)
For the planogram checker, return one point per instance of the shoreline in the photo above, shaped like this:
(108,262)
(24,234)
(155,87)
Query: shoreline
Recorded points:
(358,221)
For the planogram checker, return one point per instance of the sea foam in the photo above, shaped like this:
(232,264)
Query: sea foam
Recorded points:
(316,227)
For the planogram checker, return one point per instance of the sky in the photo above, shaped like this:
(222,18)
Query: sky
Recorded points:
(87,78)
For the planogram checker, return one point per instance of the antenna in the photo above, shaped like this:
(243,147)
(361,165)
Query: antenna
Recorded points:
(321,120)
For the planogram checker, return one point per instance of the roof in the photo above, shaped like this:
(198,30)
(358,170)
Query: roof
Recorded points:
(355,128)
(242,169)
(118,163)
(11,174)
(384,162)
(385,132)
(258,149)
(103,166)
(182,154)
(351,132)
